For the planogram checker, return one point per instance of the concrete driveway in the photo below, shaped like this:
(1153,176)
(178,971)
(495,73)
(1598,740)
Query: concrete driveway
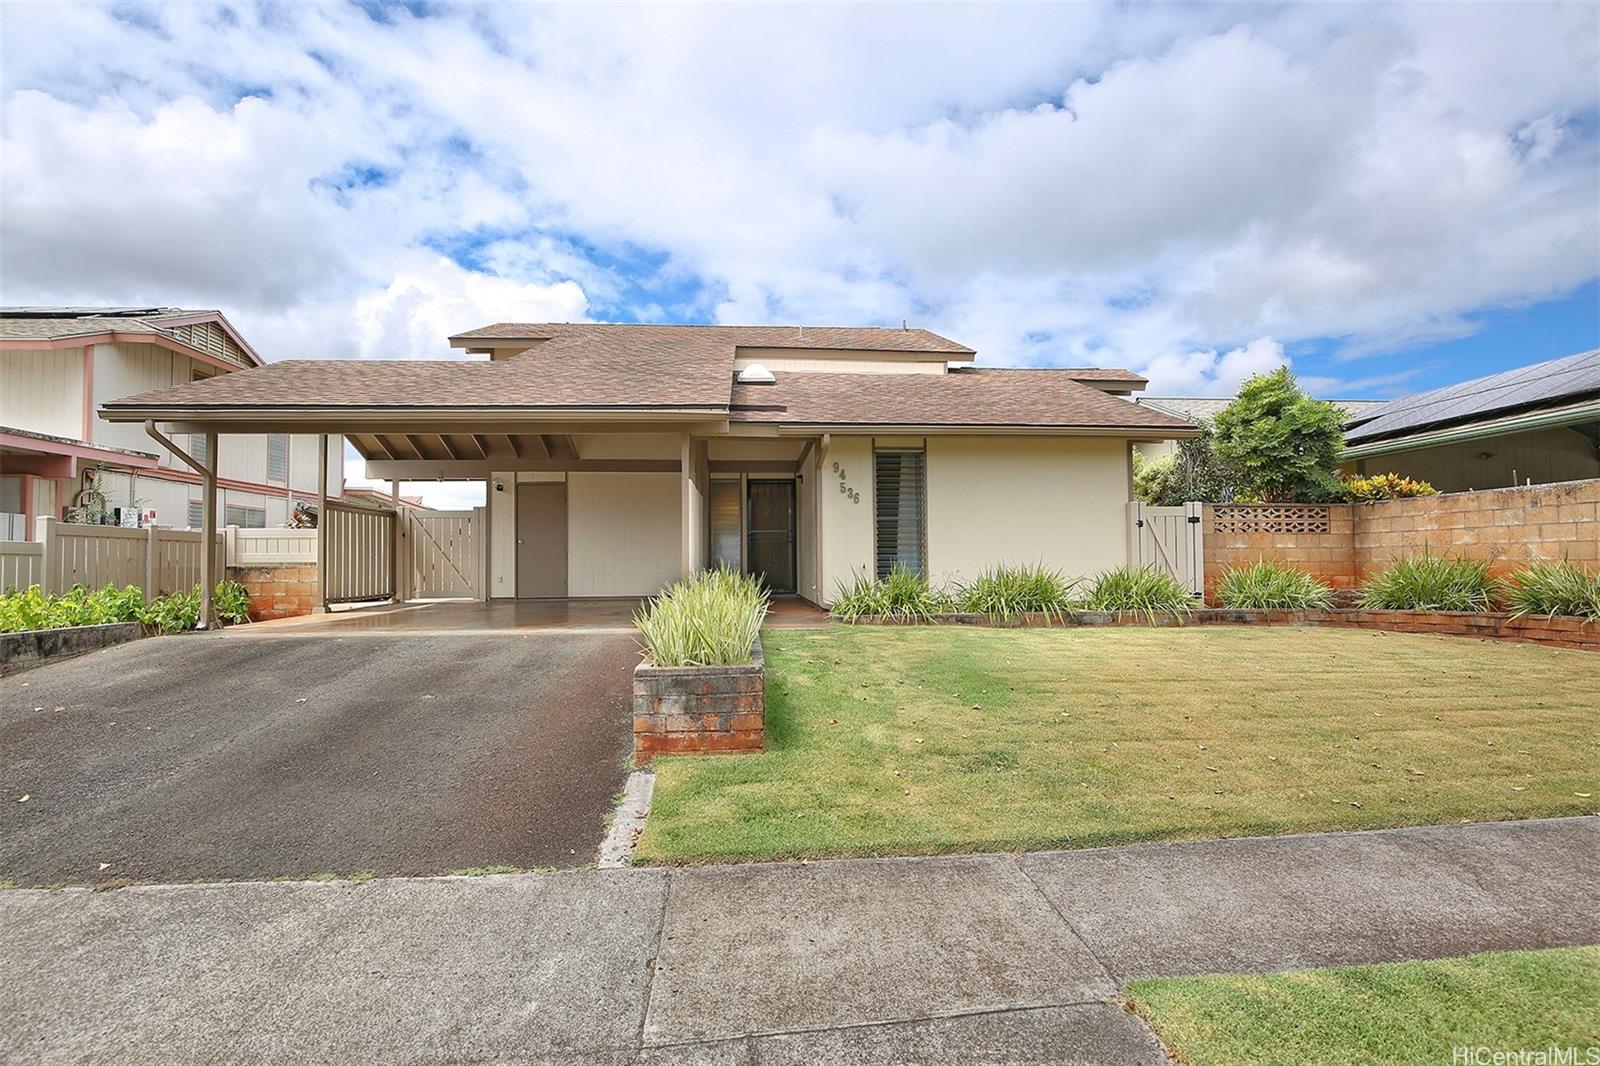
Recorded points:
(208,757)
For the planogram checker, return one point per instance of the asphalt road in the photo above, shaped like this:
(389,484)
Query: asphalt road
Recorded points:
(210,758)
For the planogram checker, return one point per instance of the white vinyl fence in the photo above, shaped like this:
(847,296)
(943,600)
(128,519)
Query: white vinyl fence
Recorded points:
(63,554)
(1169,539)
(271,547)
(447,554)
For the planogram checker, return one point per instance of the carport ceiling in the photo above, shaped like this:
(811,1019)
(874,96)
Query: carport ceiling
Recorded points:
(444,447)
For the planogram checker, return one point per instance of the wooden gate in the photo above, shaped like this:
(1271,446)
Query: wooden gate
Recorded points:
(446,554)
(1170,539)
(360,553)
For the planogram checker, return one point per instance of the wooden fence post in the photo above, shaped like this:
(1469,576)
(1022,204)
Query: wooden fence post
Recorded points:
(44,531)
(152,560)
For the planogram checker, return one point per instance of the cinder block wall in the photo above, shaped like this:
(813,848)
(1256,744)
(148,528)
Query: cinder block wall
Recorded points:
(278,591)
(1507,527)
(1284,533)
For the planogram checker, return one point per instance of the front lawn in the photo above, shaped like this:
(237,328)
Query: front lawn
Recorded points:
(1407,1012)
(918,740)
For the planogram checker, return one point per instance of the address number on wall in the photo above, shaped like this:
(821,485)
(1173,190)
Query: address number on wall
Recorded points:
(844,485)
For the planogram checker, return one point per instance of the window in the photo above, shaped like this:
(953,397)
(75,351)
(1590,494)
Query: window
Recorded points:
(899,503)
(278,457)
(727,510)
(244,517)
(197,514)
(197,448)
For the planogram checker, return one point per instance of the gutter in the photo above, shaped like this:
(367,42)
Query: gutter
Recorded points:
(1480,431)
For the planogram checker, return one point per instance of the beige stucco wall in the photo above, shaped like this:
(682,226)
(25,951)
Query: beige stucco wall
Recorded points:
(1021,500)
(846,524)
(623,533)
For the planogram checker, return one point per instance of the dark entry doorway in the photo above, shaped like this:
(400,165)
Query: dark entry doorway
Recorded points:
(769,533)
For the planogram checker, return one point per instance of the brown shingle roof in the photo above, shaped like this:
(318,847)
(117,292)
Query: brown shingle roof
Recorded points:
(962,397)
(862,338)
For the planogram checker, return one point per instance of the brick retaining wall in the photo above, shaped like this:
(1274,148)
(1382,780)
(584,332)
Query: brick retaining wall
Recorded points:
(699,710)
(282,591)
(1562,632)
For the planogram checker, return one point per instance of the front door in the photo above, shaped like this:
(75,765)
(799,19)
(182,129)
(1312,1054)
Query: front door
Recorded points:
(770,533)
(541,539)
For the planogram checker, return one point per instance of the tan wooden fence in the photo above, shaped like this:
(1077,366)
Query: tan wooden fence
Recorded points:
(1170,539)
(63,554)
(447,554)
(271,547)
(361,553)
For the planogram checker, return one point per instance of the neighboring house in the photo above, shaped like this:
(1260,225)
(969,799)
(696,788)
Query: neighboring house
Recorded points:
(365,497)
(1537,424)
(57,364)
(619,457)
(1200,408)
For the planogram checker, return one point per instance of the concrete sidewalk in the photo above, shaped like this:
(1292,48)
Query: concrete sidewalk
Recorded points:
(957,959)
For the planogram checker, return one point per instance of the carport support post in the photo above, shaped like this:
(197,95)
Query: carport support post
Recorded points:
(208,537)
(321,606)
(395,535)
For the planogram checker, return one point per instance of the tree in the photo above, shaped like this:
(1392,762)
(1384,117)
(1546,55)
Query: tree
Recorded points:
(1193,473)
(1279,444)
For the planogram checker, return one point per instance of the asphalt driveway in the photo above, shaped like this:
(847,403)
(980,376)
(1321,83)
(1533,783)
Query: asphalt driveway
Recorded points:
(209,757)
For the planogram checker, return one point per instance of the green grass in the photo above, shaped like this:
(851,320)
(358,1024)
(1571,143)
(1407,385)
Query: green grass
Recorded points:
(1408,1012)
(925,740)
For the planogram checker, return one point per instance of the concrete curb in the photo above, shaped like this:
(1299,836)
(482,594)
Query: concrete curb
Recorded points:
(22,651)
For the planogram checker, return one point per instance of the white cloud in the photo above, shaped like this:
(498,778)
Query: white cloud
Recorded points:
(1208,373)
(1055,184)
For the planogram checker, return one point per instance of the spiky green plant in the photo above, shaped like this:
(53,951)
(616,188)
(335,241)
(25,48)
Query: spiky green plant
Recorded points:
(1550,589)
(903,596)
(1009,591)
(708,619)
(1271,586)
(1430,582)
(1146,590)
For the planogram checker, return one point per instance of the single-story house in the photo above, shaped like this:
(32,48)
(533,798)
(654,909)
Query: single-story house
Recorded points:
(57,364)
(619,457)
(1534,425)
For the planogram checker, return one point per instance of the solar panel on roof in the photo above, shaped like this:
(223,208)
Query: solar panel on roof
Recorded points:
(1528,386)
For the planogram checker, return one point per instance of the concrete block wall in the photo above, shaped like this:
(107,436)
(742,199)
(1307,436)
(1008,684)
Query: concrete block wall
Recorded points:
(278,591)
(1506,527)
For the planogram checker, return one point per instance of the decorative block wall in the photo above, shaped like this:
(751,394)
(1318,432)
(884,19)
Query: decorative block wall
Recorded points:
(699,710)
(281,591)
(1345,543)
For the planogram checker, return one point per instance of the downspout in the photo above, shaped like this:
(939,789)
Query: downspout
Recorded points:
(208,518)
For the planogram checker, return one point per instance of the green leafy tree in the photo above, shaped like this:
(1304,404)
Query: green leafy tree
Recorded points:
(1280,445)
(1194,472)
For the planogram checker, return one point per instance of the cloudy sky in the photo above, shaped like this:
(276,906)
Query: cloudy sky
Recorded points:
(1386,197)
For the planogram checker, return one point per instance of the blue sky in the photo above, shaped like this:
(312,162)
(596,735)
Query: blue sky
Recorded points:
(1387,197)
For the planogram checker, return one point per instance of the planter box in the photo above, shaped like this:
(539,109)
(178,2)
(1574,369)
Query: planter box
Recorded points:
(19,651)
(699,710)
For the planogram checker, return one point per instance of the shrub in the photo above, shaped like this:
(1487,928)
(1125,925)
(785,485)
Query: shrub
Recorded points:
(1270,586)
(1550,589)
(903,596)
(709,619)
(1130,588)
(1007,591)
(34,608)
(1280,444)
(1386,487)
(1431,583)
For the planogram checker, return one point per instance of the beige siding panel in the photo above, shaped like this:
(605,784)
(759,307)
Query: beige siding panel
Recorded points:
(126,370)
(624,533)
(736,448)
(841,361)
(846,524)
(1546,455)
(502,536)
(42,391)
(1021,500)
(629,445)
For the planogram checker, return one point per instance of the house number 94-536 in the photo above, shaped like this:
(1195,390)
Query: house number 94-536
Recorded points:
(844,486)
